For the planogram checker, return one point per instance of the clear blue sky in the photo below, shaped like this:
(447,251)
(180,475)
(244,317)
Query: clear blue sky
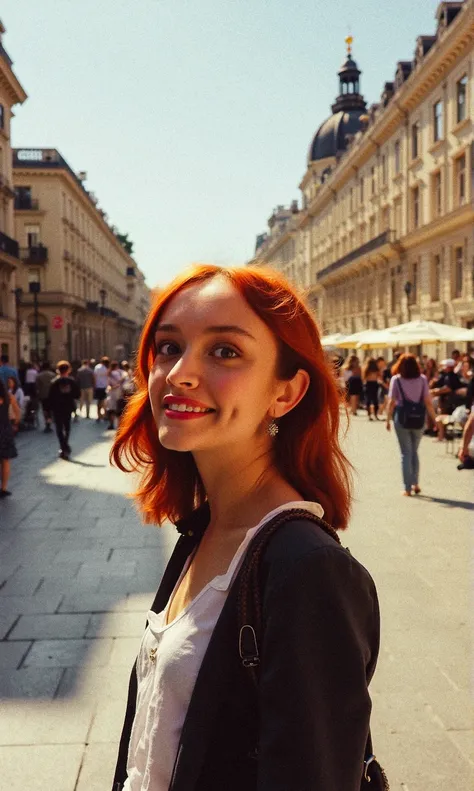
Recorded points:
(193,118)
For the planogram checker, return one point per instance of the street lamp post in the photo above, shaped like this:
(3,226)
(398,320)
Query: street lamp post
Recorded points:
(35,289)
(408,288)
(103,294)
(18,295)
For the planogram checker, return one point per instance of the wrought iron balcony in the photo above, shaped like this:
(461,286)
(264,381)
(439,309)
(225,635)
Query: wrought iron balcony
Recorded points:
(9,246)
(387,237)
(36,254)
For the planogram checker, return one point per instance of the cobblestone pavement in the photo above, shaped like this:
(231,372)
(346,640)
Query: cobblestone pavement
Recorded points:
(79,571)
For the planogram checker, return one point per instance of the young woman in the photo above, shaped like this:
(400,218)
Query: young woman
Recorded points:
(410,384)
(353,376)
(7,440)
(16,391)
(236,420)
(371,377)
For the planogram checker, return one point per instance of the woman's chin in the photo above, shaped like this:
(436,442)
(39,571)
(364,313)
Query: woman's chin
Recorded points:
(174,440)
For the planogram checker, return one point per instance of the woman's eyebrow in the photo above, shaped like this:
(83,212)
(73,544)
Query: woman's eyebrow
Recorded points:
(217,328)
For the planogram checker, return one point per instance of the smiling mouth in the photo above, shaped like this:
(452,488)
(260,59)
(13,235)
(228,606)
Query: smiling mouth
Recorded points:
(197,410)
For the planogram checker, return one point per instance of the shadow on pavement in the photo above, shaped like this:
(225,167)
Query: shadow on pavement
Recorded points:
(469,506)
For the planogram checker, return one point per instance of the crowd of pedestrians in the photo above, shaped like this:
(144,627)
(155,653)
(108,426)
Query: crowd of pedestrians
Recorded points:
(421,396)
(58,396)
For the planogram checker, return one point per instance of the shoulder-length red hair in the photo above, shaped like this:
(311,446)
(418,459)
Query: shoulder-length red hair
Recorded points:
(307,448)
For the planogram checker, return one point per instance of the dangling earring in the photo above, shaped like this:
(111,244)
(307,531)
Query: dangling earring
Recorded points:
(272,428)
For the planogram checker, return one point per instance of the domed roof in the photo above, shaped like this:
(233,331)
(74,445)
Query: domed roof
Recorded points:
(331,137)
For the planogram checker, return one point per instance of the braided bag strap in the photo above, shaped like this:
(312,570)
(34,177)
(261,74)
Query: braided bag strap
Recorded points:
(249,602)
(249,609)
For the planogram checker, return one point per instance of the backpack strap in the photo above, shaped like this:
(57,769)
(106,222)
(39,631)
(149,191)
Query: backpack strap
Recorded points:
(249,608)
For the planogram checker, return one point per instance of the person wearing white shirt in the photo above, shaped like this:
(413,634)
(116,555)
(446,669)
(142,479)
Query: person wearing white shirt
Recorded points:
(101,381)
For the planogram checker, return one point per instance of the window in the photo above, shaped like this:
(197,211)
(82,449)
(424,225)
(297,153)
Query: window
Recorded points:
(461,96)
(384,169)
(438,121)
(413,298)
(460,180)
(415,132)
(436,278)
(397,157)
(372,180)
(33,235)
(458,271)
(393,291)
(415,207)
(398,217)
(381,290)
(385,219)
(437,194)
(361,187)
(372,228)
(2,117)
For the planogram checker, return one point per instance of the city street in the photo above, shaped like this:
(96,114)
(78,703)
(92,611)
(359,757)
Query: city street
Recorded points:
(79,572)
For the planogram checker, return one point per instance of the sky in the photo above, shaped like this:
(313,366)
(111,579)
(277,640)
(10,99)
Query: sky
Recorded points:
(193,118)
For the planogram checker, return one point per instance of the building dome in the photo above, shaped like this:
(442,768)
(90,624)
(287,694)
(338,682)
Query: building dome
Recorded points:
(334,134)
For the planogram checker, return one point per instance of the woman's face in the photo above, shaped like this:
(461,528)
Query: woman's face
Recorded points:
(214,354)
(11,383)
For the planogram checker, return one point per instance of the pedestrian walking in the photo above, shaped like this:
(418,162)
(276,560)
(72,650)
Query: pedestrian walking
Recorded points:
(353,375)
(9,419)
(410,400)
(114,392)
(85,380)
(263,636)
(101,381)
(64,390)
(43,386)
(371,377)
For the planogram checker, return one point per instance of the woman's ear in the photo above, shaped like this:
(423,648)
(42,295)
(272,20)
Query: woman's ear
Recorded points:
(291,391)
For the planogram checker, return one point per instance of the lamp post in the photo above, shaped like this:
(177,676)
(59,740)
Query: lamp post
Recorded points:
(103,294)
(35,289)
(18,295)
(408,288)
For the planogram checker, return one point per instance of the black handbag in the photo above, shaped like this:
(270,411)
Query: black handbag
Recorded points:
(373,777)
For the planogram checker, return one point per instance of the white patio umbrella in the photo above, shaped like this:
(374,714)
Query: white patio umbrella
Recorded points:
(418,332)
(332,340)
(365,339)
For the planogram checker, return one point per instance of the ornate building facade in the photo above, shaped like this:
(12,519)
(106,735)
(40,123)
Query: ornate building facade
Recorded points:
(386,229)
(83,294)
(11,93)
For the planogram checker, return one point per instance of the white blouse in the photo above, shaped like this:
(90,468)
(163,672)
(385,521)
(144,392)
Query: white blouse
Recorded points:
(168,663)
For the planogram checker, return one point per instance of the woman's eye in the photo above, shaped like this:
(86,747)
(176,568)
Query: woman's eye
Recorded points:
(167,348)
(225,353)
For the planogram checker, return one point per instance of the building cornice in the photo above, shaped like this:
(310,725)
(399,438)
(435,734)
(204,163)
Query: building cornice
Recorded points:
(11,85)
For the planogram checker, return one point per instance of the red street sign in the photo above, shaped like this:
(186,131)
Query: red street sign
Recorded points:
(57,322)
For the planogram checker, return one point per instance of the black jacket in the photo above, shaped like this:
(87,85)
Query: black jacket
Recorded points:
(308,729)
(63,392)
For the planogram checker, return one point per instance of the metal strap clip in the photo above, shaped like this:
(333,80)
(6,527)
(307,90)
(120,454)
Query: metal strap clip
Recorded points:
(248,652)
(366,767)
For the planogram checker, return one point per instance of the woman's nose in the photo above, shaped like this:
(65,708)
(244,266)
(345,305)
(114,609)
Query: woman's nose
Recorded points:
(183,374)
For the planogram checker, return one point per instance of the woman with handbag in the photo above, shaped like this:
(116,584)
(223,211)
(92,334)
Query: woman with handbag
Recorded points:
(410,400)
(254,667)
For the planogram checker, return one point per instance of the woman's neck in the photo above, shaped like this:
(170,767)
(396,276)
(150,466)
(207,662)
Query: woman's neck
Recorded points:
(242,493)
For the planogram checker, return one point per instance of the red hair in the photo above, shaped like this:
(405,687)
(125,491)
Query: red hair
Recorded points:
(307,449)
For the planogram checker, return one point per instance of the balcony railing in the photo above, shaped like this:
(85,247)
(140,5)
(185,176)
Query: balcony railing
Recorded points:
(36,254)
(386,237)
(26,204)
(9,246)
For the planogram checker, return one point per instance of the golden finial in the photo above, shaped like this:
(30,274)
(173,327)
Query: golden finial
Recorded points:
(349,41)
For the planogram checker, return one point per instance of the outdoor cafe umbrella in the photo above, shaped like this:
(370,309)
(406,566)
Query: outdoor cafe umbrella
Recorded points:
(413,333)
(328,341)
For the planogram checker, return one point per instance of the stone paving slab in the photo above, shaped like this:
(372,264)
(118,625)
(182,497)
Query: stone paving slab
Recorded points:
(37,767)
(72,547)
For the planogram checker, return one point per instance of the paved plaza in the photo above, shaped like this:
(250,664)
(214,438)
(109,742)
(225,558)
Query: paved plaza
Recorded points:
(79,572)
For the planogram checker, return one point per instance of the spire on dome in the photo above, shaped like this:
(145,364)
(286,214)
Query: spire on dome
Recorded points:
(349,40)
